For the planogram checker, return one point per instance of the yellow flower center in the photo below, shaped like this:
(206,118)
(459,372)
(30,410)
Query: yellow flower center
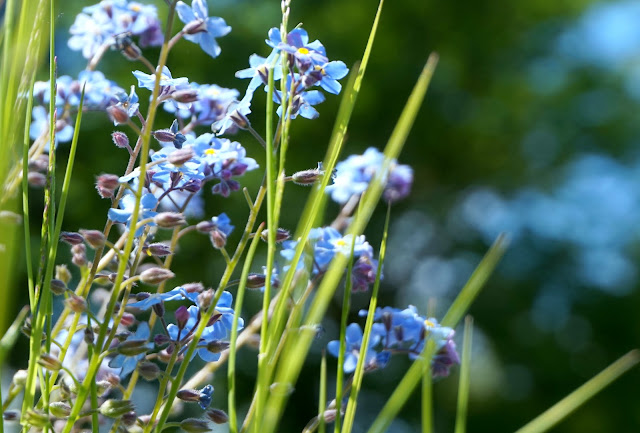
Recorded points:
(210,152)
(341,243)
(135,8)
(429,323)
(303,50)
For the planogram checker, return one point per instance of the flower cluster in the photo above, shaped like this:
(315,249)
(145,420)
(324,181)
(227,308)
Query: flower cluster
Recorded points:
(354,175)
(398,331)
(106,23)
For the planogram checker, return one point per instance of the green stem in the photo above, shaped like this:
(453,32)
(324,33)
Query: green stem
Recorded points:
(465,377)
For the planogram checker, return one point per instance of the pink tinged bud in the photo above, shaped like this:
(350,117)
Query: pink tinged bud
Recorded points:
(307,177)
(41,163)
(164,135)
(205,226)
(36,179)
(217,346)
(49,362)
(157,249)
(217,416)
(182,316)
(193,287)
(117,114)
(196,26)
(218,239)
(129,419)
(72,238)
(205,298)
(58,287)
(10,416)
(75,303)
(142,296)
(106,184)
(255,281)
(155,276)
(120,139)
(329,415)
(161,339)
(189,395)
(79,249)
(213,319)
(94,238)
(180,156)
(127,320)
(169,219)
(185,96)
(281,235)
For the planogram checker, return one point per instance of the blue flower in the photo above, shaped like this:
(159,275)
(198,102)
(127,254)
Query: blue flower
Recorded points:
(177,294)
(128,363)
(259,70)
(353,344)
(239,110)
(40,126)
(327,75)
(127,204)
(223,223)
(148,81)
(200,28)
(206,394)
(128,103)
(354,175)
(297,44)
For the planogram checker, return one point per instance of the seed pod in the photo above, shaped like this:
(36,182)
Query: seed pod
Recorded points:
(49,362)
(120,139)
(169,220)
(156,275)
(60,409)
(57,287)
(148,370)
(116,408)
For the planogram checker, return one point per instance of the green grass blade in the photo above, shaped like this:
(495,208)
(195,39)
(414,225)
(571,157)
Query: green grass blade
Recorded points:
(25,203)
(350,413)
(570,403)
(465,377)
(456,311)
(427,390)
(322,400)
(231,363)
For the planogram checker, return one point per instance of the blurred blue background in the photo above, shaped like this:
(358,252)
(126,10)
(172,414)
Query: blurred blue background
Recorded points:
(530,127)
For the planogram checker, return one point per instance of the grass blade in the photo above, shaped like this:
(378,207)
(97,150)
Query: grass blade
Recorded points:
(465,377)
(564,407)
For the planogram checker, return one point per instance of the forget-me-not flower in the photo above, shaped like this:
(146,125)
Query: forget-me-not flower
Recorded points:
(200,28)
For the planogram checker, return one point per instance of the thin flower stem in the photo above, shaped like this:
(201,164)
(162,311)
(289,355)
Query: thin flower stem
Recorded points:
(161,391)
(147,63)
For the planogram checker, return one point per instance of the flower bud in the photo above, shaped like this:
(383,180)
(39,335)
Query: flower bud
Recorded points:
(218,239)
(307,177)
(116,408)
(281,235)
(102,279)
(120,139)
(218,416)
(94,238)
(148,370)
(71,238)
(329,415)
(103,386)
(10,416)
(256,281)
(49,362)
(185,96)
(117,114)
(189,395)
(63,274)
(205,226)
(161,339)
(213,319)
(89,335)
(205,298)
(195,26)
(36,419)
(127,320)
(57,287)
(79,248)
(155,276)
(129,419)
(169,219)
(180,156)
(195,287)
(75,303)
(239,119)
(182,316)
(131,52)
(195,425)
(217,346)
(20,378)
(41,163)
(60,409)
(36,179)
(159,309)
(133,347)
(157,249)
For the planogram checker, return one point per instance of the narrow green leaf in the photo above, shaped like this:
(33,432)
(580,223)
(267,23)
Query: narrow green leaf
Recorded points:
(567,405)
(465,377)
(322,400)
(427,389)
(9,338)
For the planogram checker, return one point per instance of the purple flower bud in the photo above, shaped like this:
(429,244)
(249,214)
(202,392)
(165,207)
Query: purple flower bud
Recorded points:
(205,226)
(156,275)
(117,114)
(182,316)
(218,239)
(194,425)
(169,219)
(10,415)
(75,303)
(72,238)
(217,346)
(89,335)
(133,347)
(157,249)
(120,139)
(281,235)
(79,249)
(193,287)
(36,179)
(180,156)
(148,370)
(161,339)
(142,296)
(129,419)
(256,281)
(188,395)
(127,320)
(58,287)
(213,319)
(307,177)
(217,416)
(94,238)
(185,96)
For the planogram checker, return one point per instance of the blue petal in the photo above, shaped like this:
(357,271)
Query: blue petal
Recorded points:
(185,13)
(119,215)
